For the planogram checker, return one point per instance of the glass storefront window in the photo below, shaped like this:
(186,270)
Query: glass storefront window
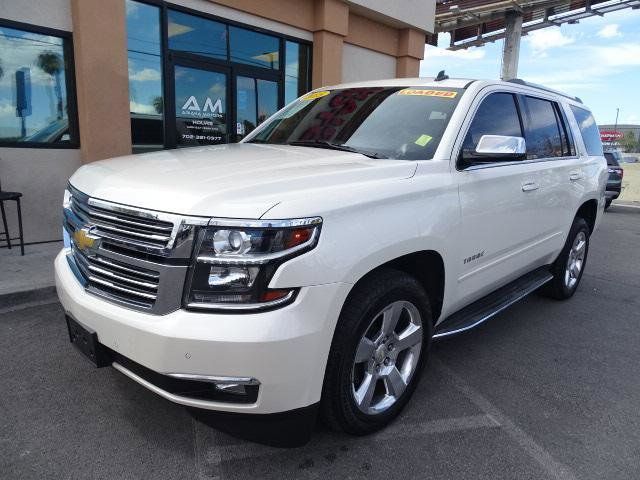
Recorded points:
(246,116)
(254,48)
(146,102)
(198,36)
(267,99)
(201,106)
(256,100)
(34,101)
(296,70)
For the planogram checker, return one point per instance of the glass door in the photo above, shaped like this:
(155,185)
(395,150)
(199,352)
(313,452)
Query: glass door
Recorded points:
(256,100)
(201,104)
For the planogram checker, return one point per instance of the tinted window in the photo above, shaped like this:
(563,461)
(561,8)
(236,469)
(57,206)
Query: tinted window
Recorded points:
(403,123)
(196,35)
(497,115)
(254,48)
(568,146)
(33,88)
(588,129)
(146,102)
(611,159)
(542,131)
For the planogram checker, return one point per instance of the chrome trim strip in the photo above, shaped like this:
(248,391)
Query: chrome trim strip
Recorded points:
(191,402)
(526,292)
(242,306)
(107,273)
(92,212)
(214,378)
(104,261)
(247,223)
(109,284)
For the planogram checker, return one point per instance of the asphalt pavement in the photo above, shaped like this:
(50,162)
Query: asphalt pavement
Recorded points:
(545,390)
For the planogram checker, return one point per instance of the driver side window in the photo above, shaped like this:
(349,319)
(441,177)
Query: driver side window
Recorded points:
(497,115)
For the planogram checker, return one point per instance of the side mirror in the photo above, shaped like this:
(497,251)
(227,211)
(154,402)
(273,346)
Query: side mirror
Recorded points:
(501,146)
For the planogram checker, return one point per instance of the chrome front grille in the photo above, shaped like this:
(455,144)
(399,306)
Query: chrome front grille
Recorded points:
(133,257)
(122,226)
(119,280)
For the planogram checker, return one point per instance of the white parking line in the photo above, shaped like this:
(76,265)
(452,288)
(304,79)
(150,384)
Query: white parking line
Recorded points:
(554,468)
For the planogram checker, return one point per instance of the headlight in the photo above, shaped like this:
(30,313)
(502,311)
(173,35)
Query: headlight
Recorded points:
(236,260)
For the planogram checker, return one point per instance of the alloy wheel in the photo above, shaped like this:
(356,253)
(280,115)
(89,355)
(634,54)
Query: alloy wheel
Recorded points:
(575,261)
(386,357)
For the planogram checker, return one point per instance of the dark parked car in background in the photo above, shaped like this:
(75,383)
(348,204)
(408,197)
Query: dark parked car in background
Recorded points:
(614,182)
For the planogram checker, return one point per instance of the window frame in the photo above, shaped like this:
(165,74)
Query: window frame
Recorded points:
(70,86)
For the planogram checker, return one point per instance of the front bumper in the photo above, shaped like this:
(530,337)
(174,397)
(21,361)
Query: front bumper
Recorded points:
(285,350)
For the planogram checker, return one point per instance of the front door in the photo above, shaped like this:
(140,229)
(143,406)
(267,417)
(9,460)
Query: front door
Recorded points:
(201,105)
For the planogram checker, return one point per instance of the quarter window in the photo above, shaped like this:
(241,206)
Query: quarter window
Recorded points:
(588,129)
(497,115)
(542,133)
(36,94)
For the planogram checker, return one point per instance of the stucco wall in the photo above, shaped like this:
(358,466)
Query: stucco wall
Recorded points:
(46,13)
(363,64)
(41,175)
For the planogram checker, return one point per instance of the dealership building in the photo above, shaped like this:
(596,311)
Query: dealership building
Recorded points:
(84,80)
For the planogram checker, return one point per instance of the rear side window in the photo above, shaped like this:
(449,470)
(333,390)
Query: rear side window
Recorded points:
(497,115)
(543,129)
(588,129)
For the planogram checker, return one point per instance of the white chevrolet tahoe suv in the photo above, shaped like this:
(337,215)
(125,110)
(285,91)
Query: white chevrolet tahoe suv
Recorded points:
(307,269)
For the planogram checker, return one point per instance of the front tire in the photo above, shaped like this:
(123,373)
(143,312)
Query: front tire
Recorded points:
(378,350)
(568,268)
(607,203)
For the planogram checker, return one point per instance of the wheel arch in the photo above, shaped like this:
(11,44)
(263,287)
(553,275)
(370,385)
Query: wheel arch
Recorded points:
(427,266)
(589,212)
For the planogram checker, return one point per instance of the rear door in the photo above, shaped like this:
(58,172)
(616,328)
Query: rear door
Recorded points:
(550,146)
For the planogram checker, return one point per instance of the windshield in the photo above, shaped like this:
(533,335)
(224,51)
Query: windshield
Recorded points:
(381,122)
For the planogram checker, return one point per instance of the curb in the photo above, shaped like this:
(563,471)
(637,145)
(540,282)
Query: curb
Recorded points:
(9,300)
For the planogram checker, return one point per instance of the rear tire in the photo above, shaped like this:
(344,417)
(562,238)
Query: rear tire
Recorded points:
(568,268)
(607,203)
(379,348)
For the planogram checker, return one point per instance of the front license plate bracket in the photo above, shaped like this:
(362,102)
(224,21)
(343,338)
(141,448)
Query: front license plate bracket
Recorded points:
(86,340)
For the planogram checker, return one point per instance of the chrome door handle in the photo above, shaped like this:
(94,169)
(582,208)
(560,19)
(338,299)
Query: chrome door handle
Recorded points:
(529,186)
(573,176)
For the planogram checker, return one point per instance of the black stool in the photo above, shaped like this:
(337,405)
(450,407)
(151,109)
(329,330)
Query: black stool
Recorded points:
(6,197)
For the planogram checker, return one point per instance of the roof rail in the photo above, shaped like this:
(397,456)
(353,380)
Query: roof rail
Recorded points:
(519,81)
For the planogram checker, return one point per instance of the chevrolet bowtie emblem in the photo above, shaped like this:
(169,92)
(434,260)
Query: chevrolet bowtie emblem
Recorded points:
(84,240)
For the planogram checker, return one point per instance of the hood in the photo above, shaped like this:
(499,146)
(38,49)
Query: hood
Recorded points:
(236,180)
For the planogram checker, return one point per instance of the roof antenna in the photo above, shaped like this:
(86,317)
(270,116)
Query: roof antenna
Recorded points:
(441,76)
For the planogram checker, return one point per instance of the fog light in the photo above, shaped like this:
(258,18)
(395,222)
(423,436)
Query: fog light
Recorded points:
(232,276)
(234,388)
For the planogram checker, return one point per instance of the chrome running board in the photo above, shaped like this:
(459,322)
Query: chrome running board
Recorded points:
(482,310)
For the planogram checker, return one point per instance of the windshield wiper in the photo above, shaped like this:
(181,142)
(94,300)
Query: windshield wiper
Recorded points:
(335,146)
